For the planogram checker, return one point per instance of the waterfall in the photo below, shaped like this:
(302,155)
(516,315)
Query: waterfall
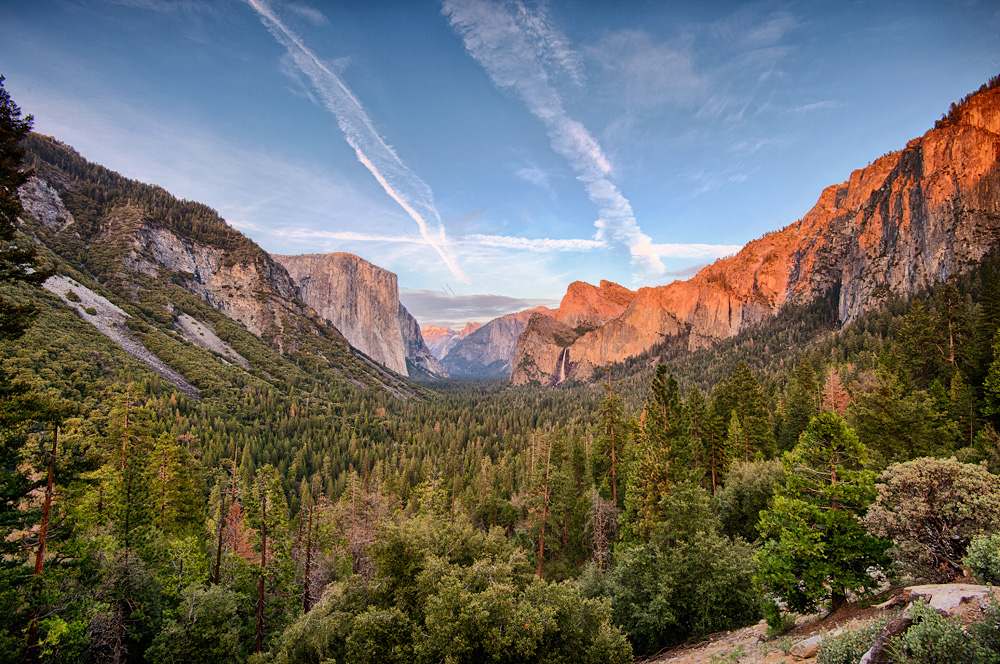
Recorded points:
(562,366)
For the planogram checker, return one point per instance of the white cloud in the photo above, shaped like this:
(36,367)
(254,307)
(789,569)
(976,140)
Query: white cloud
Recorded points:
(648,75)
(536,176)
(534,244)
(314,16)
(519,48)
(402,184)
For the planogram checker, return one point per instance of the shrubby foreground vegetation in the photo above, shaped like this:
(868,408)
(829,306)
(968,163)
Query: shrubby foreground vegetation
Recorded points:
(289,517)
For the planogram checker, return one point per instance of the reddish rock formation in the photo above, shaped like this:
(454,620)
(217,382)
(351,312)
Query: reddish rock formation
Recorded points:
(911,218)
(441,339)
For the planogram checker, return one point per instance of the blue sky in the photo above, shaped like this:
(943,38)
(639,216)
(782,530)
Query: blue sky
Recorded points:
(488,152)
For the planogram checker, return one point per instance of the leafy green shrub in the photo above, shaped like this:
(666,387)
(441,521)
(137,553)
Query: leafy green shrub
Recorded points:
(749,489)
(380,636)
(72,296)
(91,311)
(932,509)
(689,581)
(983,558)
(987,630)
(208,629)
(936,639)
(449,593)
(850,647)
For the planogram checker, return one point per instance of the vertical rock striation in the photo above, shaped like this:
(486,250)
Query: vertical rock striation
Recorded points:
(911,218)
(362,301)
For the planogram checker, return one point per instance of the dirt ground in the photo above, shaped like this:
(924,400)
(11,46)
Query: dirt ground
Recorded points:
(750,646)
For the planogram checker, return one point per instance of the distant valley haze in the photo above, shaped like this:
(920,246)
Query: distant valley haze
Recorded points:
(491,153)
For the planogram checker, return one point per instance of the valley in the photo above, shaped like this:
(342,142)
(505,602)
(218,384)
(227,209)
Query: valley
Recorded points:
(214,453)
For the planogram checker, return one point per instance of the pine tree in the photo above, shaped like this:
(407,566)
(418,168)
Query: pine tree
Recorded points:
(18,263)
(816,546)
(609,448)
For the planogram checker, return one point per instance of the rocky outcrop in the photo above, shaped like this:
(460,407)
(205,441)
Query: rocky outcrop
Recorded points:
(440,340)
(141,246)
(362,301)
(588,307)
(488,352)
(542,354)
(420,362)
(911,218)
(358,298)
(255,292)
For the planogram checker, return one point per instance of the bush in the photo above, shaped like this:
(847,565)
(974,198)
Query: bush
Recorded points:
(932,509)
(208,629)
(748,489)
(689,581)
(72,296)
(850,647)
(935,639)
(983,559)
(447,592)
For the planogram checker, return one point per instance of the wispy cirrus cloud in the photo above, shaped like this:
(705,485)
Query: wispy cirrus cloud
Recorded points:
(537,245)
(521,50)
(402,184)
(649,75)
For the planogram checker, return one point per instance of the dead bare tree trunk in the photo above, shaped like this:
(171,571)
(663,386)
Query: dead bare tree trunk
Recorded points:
(32,651)
(222,517)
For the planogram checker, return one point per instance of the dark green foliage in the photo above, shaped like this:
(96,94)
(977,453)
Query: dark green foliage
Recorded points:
(18,261)
(850,647)
(446,592)
(749,489)
(208,629)
(816,548)
(688,581)
(983,558)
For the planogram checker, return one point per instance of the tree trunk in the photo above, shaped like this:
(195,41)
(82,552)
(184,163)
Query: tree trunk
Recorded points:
(32,651)
(222,517)
(263,571)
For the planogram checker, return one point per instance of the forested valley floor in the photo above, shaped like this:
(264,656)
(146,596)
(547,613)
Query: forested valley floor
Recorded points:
(297,512)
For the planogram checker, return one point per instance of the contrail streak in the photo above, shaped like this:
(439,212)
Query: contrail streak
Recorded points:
(520,50)
(402,184)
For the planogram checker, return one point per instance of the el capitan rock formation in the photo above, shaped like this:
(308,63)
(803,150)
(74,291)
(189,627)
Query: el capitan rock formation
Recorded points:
(362,301)
(911,218)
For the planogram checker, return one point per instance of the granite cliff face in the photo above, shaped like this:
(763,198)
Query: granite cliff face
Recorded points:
(358,298)
(420,361)
(257,293)
(911,218)
(541,352)
(440,340)
(362,301)
(487,352)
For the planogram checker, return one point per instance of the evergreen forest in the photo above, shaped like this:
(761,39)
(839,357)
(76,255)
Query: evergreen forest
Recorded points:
(311,511)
